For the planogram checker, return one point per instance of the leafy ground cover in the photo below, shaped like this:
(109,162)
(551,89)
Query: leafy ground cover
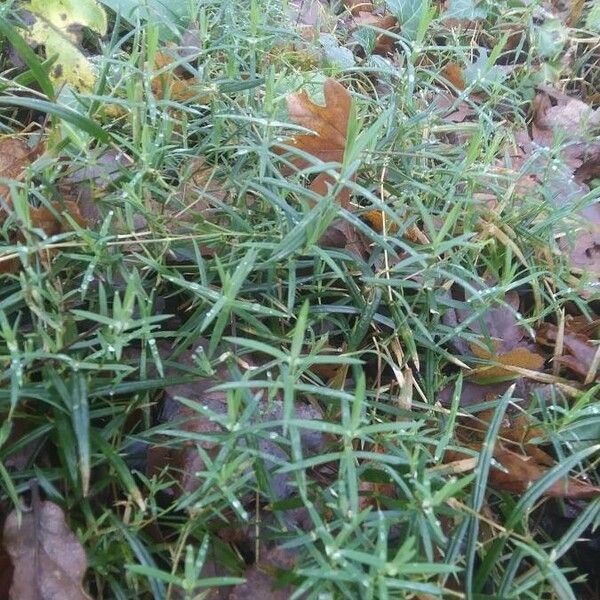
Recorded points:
(299,299)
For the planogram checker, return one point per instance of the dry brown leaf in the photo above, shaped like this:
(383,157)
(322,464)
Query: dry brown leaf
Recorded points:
(384,44)
(523,471)
(49,561)
(357,6)
(376,220)
(171,84)
(522,466)
(454,74)
(261,579)
(579,352)
(517,357)
(329,124)
(15,156)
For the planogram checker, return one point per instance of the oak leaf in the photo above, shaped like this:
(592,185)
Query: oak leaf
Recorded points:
(329,124)
(49,562)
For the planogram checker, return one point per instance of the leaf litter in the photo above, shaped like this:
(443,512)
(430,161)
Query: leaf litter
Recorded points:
(48,559)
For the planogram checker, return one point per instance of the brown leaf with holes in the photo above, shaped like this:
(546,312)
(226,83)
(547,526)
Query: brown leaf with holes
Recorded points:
(329,124)
(49,561)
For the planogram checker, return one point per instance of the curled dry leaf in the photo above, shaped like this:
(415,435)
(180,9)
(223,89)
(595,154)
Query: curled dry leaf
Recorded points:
(329,124)
(49,562)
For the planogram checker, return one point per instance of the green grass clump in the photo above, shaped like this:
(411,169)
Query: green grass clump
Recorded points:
(110,327)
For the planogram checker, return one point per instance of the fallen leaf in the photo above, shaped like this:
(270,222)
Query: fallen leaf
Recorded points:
(49,561)
(312,15)
(261,579)
(523,471)
(169,82)
(58,26)
(454,74)
(556,112)
(15,156)
(517,470)
(183,459)
(329,124)
(498,321)
(341,234)
(6,572)
(579,353)
(358,6)
(517,357)
(384,44)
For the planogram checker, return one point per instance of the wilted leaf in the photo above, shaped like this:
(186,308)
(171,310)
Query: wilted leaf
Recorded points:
(329,124)
(57,27)
(49,562)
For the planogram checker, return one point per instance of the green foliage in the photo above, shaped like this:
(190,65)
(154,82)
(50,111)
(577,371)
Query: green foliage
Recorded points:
(96,325)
